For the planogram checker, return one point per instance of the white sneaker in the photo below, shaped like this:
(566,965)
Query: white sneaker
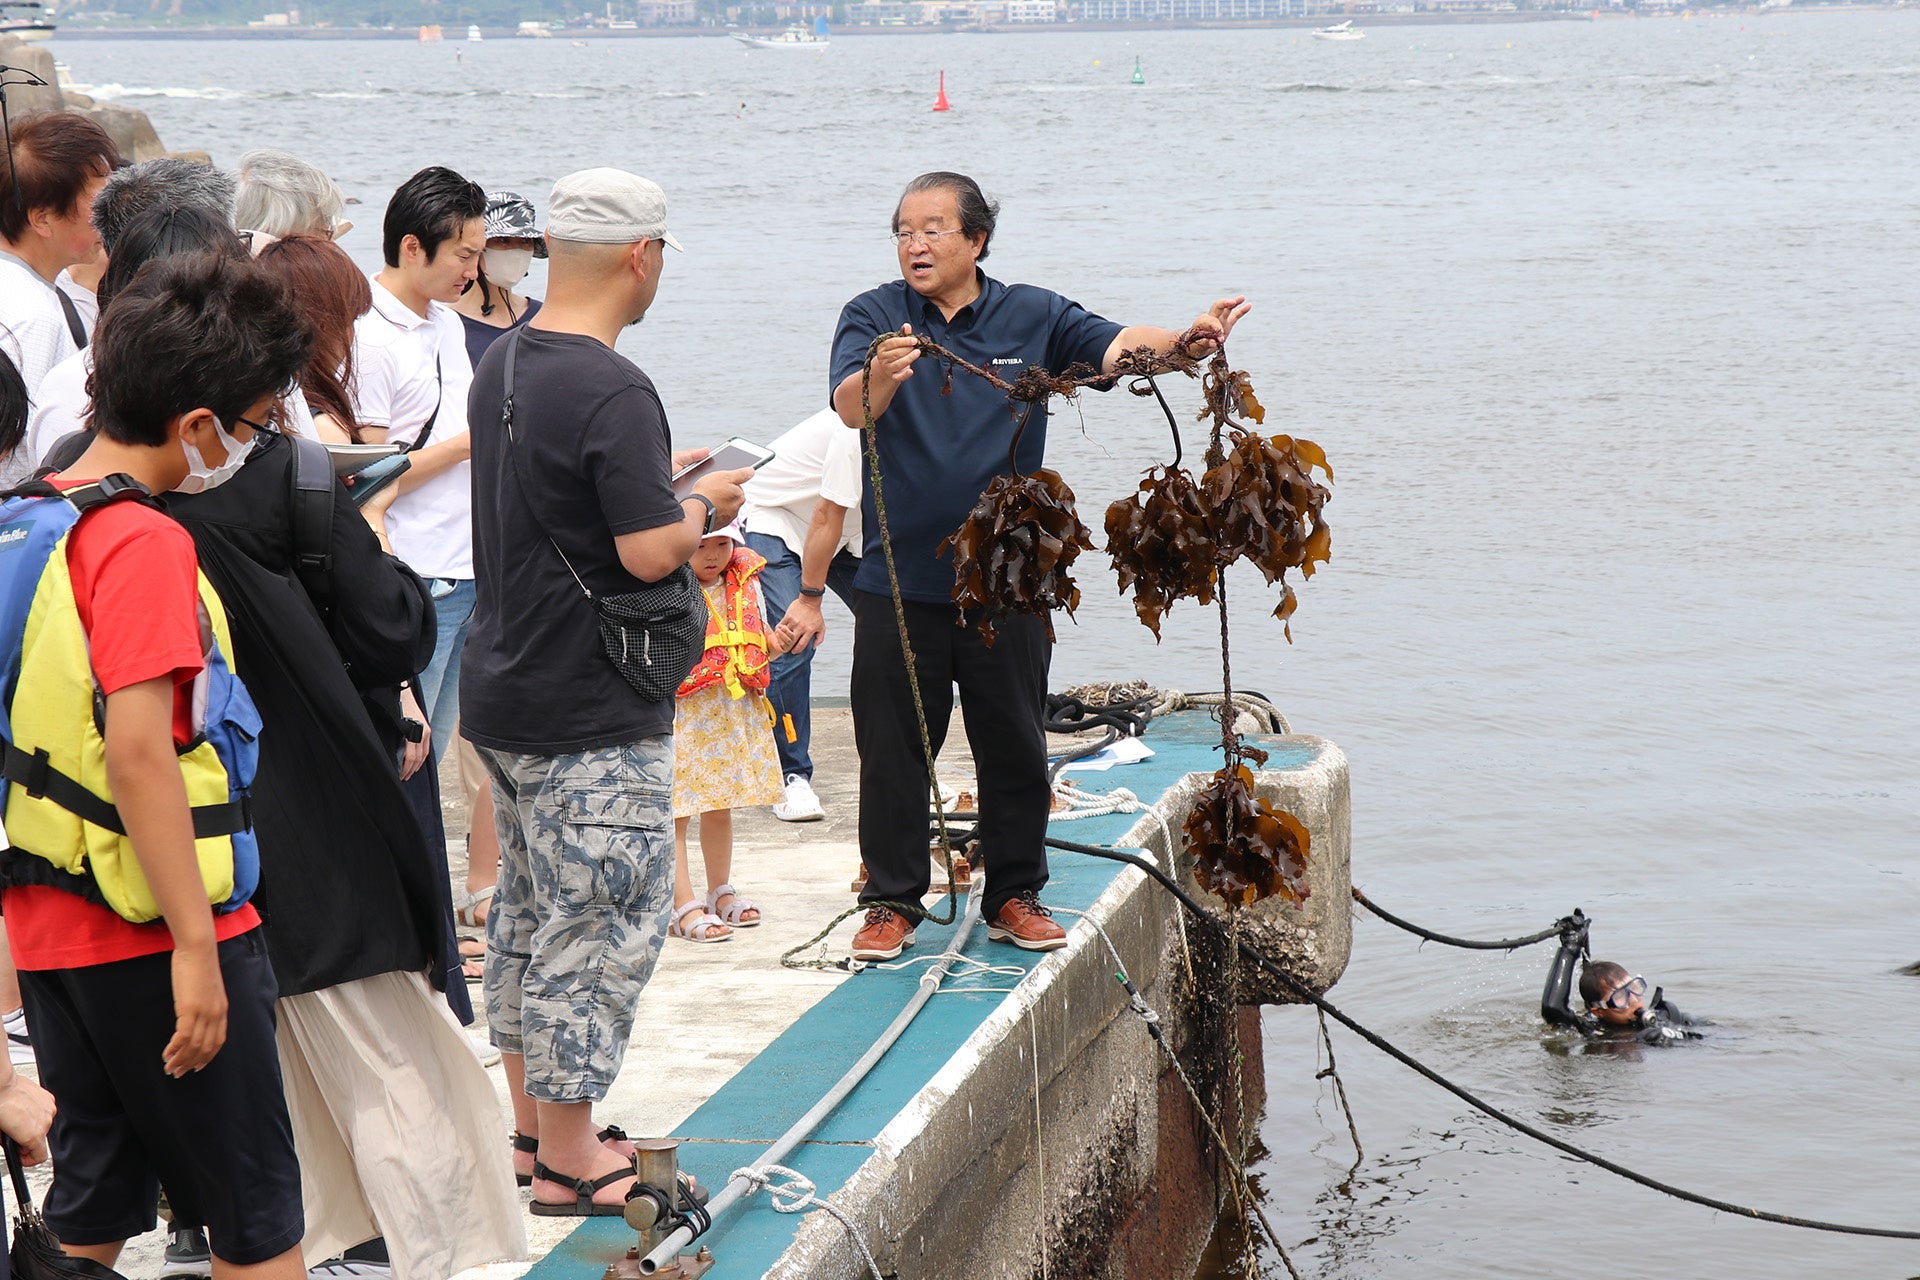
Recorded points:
(19,1045)
(801,805)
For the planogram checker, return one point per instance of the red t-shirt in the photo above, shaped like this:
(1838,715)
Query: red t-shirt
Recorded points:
(135,587)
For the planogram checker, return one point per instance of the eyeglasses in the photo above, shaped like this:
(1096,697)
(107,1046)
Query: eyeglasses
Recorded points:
(930,238)
(257,426)
(1626,993)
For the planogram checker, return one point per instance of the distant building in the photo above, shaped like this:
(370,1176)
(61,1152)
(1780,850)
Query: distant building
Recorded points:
(1190,10)
(1024,11)
(665,13)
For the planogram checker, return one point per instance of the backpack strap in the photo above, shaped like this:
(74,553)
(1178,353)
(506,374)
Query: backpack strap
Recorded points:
(114,488)
(36,775)
(310,482)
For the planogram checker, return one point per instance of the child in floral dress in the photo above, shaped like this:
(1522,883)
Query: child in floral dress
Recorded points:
(723,752)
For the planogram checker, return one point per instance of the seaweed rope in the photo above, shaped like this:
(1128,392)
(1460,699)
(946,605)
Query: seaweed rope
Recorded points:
(1306,996)
(871,439)
(1470,944)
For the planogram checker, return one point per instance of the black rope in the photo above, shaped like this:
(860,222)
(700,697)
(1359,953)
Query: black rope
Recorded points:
(1498,944)
(1513,1122)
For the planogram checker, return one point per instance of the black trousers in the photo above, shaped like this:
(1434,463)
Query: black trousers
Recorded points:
(1003,692)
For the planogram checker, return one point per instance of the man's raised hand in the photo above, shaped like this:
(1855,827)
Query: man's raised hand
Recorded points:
(894,360)
(1218,320)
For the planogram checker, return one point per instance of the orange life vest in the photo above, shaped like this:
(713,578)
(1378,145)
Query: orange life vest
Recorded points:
(736,653)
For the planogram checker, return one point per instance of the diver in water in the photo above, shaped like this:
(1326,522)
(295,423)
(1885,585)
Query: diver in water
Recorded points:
(1618,1007)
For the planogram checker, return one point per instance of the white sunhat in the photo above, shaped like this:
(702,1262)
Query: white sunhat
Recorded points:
(608,206)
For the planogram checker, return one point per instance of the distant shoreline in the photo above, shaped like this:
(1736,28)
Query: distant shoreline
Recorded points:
(454,36)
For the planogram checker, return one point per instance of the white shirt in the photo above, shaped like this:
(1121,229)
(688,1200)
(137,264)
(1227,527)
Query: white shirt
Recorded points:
(820,458)
(60,410)
(394,388)
(85,301)
(34,335)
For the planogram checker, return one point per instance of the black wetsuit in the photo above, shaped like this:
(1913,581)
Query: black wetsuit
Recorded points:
(1659,1023)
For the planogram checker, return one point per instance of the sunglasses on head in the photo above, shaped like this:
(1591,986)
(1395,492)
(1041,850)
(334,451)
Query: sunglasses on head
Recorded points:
(1626,993)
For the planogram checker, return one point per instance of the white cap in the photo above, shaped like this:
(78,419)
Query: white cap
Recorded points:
(608,206)
(729,531)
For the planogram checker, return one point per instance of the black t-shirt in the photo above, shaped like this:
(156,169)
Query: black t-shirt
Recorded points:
(591,461)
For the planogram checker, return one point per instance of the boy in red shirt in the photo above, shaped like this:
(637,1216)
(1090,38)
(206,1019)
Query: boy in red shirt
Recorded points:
(158,1039)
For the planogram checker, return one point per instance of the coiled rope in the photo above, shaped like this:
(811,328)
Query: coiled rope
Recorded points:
(796,1195)
(1518,1125)
(1470,944)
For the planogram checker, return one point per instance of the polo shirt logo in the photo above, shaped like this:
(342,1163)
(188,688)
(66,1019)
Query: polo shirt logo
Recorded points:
(1006,360)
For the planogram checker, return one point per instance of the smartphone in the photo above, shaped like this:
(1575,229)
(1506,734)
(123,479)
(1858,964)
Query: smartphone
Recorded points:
(349,458)
(730,456)
(377,475)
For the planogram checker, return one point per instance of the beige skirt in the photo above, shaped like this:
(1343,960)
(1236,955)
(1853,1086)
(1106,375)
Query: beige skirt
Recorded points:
(397,1128)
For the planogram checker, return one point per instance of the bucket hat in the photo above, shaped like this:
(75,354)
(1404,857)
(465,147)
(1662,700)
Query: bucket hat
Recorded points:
(510,217)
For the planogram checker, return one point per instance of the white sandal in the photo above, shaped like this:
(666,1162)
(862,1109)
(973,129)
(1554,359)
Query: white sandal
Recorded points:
(735,909)
(463,905)
(700,929)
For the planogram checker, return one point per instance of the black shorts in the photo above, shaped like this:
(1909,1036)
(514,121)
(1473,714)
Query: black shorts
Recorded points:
(218,1140)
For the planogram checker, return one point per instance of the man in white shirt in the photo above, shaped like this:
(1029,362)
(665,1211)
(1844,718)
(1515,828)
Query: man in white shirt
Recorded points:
(803,515)
(411,376)
(59,162)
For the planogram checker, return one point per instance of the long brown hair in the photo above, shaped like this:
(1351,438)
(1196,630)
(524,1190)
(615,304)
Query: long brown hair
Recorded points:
(330,294)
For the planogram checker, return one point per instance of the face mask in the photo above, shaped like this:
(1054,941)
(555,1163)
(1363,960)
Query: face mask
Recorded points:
(505,268)
(200,476)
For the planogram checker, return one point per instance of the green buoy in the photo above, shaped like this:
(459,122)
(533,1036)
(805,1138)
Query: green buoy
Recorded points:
(1139,76)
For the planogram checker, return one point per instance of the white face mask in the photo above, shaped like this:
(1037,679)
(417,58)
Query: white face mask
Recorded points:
(505,268)
(200,476)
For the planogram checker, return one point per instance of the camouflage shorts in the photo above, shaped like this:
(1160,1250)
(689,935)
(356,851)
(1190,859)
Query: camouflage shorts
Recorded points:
(582,907)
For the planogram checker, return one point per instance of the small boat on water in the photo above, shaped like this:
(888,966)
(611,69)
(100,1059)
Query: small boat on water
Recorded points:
(794,37)
(473,34)
(1340,31)
(30,29)
(430,34)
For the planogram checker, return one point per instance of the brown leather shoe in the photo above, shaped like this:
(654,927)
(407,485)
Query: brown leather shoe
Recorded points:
(885,935)
(1025,923)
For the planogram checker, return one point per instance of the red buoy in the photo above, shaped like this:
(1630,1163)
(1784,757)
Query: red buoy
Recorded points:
(940,103)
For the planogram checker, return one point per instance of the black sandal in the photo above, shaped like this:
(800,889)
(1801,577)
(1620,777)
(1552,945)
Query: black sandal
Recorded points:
(521,1142)
(583,1205)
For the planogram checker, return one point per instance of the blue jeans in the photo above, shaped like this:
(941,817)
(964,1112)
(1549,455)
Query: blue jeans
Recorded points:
(792,689)
(440,682)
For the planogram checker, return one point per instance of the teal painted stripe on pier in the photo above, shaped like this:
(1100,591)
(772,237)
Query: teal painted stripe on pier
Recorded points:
(774,1090)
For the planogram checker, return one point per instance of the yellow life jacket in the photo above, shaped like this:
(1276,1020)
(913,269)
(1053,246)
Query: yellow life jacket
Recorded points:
(57,810)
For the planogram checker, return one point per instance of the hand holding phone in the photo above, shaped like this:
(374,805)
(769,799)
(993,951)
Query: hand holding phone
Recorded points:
(733,455)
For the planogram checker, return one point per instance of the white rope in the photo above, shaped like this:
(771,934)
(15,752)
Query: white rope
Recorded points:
(1252,703)
(972,968)
(796,1195)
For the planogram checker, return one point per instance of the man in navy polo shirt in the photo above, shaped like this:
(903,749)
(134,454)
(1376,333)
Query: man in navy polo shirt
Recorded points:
(938,451)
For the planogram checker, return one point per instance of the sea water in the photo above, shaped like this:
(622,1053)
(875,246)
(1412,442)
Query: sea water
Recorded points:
(1608,330)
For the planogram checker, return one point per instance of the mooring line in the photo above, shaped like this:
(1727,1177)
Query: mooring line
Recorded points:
(1486,1108)
(1470,944)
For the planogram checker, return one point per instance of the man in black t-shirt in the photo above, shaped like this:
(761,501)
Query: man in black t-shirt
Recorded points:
(581,764)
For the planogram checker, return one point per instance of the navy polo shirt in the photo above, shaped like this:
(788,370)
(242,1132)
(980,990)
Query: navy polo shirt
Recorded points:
(938,452)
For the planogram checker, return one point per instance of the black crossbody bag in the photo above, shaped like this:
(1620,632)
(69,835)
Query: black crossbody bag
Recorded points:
(652,636)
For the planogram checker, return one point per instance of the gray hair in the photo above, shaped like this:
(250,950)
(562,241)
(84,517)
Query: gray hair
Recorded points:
(977,213)
(283,195)
(159,184)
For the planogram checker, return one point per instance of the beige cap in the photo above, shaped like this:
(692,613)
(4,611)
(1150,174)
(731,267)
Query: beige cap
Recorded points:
(608,206)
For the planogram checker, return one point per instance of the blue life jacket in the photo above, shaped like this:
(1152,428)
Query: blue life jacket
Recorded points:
(57,810)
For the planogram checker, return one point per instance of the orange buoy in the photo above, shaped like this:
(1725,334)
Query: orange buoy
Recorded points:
(940,103)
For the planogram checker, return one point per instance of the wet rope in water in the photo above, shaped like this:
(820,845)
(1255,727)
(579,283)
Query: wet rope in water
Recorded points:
(1486,1108)
(1470,944)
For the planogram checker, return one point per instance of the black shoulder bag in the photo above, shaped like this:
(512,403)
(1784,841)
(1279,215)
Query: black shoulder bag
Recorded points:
(652,636)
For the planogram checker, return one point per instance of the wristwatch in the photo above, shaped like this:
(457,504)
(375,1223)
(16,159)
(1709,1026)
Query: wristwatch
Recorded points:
(706,526)
(815,592)
(412,730)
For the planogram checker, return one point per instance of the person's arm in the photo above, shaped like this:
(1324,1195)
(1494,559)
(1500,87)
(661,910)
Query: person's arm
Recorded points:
(804,623)
(892,365)
(26,1113)
(1217,320)
(383,620)
(435,459)
(144,775)
(652,554)
(1556,998)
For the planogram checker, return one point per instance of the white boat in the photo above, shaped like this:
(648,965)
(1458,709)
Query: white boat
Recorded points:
(1340,31)
(534,31)
(32,30)
(794,37)
(473,34)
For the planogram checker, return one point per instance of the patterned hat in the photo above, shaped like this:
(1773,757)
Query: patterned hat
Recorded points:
(510,217)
